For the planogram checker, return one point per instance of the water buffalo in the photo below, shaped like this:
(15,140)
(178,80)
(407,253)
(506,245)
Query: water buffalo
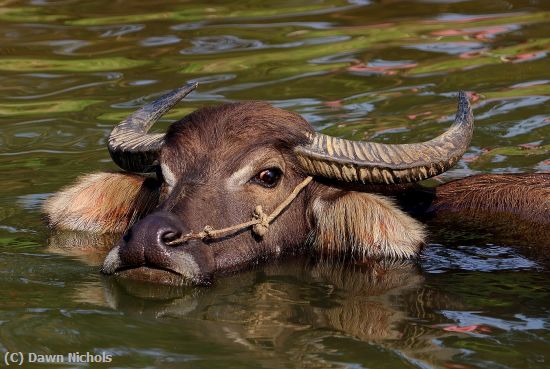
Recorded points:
(267,185)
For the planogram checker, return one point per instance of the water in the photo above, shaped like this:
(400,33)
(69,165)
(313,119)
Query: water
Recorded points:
(383,70)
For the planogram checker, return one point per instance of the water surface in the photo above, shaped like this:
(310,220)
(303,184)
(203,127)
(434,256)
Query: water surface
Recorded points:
(381,70)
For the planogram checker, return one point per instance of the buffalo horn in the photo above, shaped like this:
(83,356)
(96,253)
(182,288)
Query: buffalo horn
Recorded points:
(370,162)
(130,146)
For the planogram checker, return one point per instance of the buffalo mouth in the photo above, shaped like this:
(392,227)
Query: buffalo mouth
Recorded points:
(151,274)
(160,275)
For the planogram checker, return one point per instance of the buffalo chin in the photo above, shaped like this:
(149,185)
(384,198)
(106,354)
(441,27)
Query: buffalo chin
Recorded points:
(154,275)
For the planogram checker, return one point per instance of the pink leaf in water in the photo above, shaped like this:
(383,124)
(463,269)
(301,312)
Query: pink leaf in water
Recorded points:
(473,96)
(519,58)
(526,56)
(529,145)
(456,328)
(333,104)
(414,116)
(469,54)
(448,32)
(480,33)
(469,158)
(357,68)
(467,328)
(388,69)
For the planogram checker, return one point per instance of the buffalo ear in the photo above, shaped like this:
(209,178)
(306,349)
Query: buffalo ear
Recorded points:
(362,225)
(102,202)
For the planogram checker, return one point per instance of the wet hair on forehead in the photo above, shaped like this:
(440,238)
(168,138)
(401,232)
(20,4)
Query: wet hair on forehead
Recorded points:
(229,132)
(244,120)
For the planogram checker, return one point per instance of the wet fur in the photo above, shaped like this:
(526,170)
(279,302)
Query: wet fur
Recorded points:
(102,202)
(208,130)
(524,195)
(505,209)
(363,225)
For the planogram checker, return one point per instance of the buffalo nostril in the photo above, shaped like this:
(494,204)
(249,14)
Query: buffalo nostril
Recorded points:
(169,237)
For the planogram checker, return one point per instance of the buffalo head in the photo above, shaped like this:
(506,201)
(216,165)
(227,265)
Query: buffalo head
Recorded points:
(218,164)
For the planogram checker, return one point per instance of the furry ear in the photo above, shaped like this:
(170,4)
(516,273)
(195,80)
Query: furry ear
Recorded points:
(363,225)
(102,202)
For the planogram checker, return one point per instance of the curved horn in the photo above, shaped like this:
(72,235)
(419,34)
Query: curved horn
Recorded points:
(369,162)
(130,146)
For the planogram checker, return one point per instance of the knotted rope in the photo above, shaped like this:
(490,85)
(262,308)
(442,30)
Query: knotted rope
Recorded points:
(260,221)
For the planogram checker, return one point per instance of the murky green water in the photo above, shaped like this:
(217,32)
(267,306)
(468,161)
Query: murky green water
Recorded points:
(383,70)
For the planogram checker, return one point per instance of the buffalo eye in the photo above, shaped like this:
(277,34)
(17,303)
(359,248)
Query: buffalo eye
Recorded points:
(268,177)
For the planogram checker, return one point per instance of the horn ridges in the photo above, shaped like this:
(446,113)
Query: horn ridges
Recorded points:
(370,162)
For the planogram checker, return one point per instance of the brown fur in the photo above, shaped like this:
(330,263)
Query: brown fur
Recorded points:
(224,134)
(524,195)
(505,209)
(363,225)
(102,202)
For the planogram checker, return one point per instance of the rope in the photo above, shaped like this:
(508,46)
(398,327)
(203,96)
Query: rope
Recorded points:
(260,221)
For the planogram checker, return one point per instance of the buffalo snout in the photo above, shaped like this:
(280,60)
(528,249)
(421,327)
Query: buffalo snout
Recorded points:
(146,253)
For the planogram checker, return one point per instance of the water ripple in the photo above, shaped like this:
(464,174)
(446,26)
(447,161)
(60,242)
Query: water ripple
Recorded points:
(118,30)
(160,41)
(440,259)
(528,125)
(523,323)
(451,48)
(512,104)
(215,44)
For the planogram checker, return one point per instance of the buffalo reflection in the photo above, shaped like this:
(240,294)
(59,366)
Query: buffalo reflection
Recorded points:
(90,248)
(294,309)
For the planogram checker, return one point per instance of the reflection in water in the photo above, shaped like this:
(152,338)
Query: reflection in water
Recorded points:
(89,248)
(272,309)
